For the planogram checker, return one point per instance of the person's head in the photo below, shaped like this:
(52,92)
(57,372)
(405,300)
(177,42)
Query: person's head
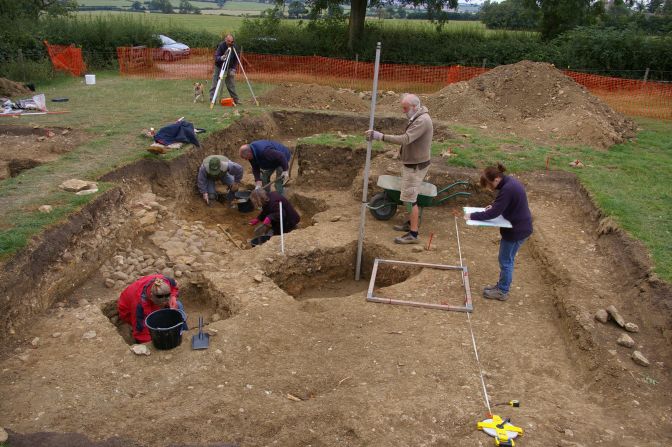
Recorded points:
(410,104)
(245,152)
(160,292)
(259,198)
(214,167)
(229,39)
(492,175)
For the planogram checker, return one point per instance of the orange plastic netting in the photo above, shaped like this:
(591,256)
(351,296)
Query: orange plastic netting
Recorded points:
(66,58)
(632,97)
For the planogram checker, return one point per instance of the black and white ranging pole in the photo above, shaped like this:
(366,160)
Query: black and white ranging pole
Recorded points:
(367,166)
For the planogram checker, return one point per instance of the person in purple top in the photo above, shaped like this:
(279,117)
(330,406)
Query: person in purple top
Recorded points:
(510,203)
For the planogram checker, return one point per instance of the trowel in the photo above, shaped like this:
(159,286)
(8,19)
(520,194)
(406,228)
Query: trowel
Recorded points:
(200,340)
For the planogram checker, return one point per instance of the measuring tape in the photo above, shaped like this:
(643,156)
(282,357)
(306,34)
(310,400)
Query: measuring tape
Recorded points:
(501,429)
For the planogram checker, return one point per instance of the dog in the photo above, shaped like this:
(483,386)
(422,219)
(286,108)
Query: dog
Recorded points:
(198,92)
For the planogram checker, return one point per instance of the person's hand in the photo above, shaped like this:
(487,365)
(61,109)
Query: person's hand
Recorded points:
(258,185)
(267,222)
(284,177)
(373,135)
(222,58)
(206,198)
(467,216)
(234,187)
(253,222)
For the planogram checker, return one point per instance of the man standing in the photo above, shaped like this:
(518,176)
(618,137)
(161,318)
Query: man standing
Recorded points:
(218,167)
(266,157)
(220,59)
(415,155)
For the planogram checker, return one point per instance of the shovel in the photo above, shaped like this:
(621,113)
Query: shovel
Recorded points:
(200,340)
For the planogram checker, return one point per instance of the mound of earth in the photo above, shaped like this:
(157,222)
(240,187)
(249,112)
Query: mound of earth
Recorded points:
(315,97)
(533,100)
(10,88)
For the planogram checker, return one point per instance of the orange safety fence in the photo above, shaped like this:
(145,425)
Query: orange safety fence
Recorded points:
(66,58)
(632,97)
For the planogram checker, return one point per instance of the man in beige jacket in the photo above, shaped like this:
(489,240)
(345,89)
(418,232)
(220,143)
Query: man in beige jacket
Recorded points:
(415,156)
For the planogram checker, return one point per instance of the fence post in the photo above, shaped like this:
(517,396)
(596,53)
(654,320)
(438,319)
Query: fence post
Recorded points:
(354,79)
(484,60)
(22,65)
(646,75)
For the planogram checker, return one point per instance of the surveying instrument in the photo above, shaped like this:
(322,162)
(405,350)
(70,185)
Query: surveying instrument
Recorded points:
(230,52)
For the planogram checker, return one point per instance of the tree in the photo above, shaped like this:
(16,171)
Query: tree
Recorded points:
(32,9)
(401,12)
(510,14)
(220,3)
(137,6)
(162,5)
(296,9)
(186,7)
(559,16)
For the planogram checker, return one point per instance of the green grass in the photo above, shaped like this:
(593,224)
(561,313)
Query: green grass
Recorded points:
(113,113)
(630,182)
(342,140)
(205,22)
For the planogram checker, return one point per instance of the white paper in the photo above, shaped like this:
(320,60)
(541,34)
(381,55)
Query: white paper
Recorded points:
(498,221)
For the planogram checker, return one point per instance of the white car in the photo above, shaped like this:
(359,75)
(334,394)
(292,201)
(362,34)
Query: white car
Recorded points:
(170,49)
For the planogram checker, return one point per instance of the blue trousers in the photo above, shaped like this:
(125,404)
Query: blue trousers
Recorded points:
(225,178)
(507,256)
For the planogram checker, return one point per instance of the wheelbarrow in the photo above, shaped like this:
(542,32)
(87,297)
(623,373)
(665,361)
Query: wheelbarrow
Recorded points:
(384,205)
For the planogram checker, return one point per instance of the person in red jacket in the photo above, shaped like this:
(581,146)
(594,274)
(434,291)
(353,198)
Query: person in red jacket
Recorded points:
(144,296)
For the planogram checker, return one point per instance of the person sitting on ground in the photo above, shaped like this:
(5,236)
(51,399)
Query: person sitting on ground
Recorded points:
(230,75)
(144,296)
(266,157)
(270,212)
(415,155)
(218,167)
(511,203)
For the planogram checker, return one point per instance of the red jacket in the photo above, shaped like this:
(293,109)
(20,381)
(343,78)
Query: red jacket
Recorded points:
(134,304)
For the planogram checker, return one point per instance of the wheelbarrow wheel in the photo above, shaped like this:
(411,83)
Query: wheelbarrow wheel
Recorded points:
(381,208)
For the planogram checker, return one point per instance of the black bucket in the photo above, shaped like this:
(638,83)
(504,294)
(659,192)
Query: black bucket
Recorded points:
(244,202)
(165,328)
(259,240)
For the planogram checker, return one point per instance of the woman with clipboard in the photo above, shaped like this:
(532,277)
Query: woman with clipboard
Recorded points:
(510,203)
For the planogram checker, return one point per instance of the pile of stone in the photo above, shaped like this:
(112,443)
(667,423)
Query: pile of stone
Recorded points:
(625,340)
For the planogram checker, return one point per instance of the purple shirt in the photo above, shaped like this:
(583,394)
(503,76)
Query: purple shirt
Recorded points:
(510,203)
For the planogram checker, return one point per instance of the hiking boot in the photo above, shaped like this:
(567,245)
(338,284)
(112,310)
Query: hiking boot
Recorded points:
(405,227)
(491,287)
(495,294)
(407,238)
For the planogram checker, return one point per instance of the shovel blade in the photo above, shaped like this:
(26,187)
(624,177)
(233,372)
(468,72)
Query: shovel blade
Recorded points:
(200,341)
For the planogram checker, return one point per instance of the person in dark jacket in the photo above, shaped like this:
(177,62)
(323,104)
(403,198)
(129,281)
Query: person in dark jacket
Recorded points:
(266,157)
(220,59)
(511,203)
(218,167)
(270,211)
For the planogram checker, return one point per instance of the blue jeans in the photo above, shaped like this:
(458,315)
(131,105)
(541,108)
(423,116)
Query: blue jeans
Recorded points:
(507,255)
(225,178)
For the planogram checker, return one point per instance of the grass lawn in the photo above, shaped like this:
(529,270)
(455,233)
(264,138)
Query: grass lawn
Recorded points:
(205,22)
(113,113)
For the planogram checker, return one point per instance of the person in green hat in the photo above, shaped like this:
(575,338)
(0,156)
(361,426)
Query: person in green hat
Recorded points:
(218,167)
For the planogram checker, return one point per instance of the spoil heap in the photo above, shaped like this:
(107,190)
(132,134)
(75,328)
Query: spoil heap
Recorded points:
(532,100)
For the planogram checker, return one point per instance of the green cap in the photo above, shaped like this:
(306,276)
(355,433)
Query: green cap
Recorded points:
(214,166)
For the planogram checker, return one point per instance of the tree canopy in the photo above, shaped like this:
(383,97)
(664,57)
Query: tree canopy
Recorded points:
(32,9)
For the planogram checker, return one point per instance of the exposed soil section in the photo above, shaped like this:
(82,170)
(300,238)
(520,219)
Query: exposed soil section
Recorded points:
(297,356)
(532,100)
(24,148)
(314,97)
(329,167)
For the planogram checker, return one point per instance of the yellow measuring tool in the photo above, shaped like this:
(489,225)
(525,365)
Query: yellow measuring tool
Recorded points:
(501,429)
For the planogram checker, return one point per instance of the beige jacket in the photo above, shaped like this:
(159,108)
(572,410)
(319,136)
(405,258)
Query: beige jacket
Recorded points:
(416,142)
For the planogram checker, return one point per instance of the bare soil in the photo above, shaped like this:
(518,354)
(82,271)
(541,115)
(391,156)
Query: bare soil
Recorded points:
(24,148)
(314,97)
(298,357)
(10,88)
(532,100)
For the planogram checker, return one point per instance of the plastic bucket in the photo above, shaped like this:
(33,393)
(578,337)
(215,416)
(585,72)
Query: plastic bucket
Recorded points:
(90,79)
(227,102)
(244,202)
(165,328)
(259,240)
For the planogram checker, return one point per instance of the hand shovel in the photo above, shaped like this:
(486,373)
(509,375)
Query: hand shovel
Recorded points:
(200,340)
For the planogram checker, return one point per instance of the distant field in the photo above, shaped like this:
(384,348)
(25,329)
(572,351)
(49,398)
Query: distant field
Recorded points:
(245,6)
(212,23)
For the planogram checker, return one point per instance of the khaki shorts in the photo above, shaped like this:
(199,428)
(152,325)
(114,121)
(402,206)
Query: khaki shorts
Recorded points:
(411,178)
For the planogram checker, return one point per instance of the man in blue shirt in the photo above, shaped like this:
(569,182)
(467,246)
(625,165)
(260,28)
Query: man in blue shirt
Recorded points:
(266,157)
